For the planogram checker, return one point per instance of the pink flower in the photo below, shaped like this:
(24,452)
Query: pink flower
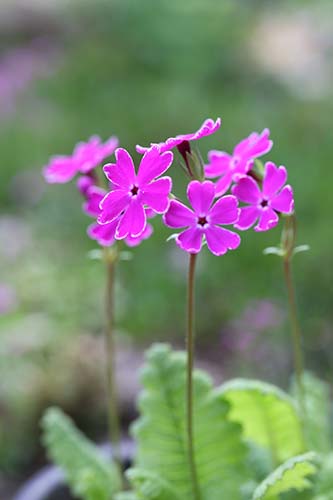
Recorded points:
(86,156)
(207,128)
(133,192)
(104,234)
(230,168)
(204,220)
(264,204)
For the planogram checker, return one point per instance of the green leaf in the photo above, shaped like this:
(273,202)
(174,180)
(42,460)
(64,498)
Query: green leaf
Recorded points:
(161,431)
(323,489)
(150,486)
(291,475)
(89,474)
(316,416)
(268,415)
(126,495)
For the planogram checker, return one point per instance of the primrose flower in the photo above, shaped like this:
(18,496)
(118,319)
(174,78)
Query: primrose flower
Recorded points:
(104,234)
(204,220)
(207,128)
(133,192)
(265,203)
(86,156)
(230,168)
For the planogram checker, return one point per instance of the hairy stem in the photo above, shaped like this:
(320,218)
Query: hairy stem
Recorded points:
(296,331)
(113,411)
(189,378)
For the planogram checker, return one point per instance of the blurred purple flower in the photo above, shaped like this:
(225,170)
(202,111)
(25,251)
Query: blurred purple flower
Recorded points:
(86,156)
(8,299)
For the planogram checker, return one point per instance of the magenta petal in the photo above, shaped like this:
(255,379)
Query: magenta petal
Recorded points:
(152,165)
(274,178)
(135,241)
(121,173)
(223,184)
(104,234)
(247,190)
(112,205)
(219,163)
(83,183)
(248,216)
(284,201)
(178,215)
(225,211)
(254,145)
(156,194)
(61,169)
(267,220)
(190,240)
(94,197)
(133,222)
(220,240)
(201,195)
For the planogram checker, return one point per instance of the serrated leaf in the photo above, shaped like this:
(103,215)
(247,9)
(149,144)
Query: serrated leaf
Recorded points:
(149,486)
(291,475)
(89,475)
(161,431)
(316,415)
(268,415)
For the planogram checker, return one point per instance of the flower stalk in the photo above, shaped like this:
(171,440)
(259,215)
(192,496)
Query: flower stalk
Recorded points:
(110,257)
(189,376)
(288,245)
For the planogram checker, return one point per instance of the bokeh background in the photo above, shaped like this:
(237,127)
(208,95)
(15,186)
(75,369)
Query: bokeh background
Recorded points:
(145,70)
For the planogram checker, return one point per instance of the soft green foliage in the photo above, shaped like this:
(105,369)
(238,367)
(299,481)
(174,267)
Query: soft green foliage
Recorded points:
(316,414)
(161,434)
(268,416)
(150,486)
(90,476)
(323,488)
(291,475)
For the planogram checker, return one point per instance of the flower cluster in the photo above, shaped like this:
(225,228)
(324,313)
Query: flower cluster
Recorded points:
(129,198)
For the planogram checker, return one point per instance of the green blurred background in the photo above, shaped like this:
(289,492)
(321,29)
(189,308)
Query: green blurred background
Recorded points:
(146,70)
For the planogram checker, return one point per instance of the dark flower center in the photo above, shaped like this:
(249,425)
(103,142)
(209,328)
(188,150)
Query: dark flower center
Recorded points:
(264,203)
(202,221)
(134,190)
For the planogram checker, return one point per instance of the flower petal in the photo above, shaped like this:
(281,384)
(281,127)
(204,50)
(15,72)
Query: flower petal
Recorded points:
(220,240)
(219,163)
(208,127)
(223,184)
(190,240)
(201,195)
(121,173)
(156,194)
(254,145)
(284,201)
(103,233)
(274,178)
(247,190)
(267,219)
(178,215)
(61,169)
(94,197)
(133,222)
(132,241)
(152,165)
(112,205)
(247,217)
(225,211)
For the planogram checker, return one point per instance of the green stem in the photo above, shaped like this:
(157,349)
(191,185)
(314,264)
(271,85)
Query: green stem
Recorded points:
(113,411)
(296,332)
(189,378)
